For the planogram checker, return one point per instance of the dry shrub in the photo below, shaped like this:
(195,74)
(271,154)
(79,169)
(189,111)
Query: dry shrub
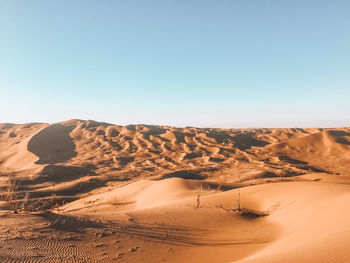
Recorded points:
(116,200)
(16,204)
(10,195)
(199,191)
(220,180)
(251,213)
(40,204)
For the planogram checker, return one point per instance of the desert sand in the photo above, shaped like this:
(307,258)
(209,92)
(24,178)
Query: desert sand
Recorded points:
(89,191)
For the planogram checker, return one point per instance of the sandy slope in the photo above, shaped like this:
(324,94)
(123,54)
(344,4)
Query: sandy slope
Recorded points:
(169,194)
(315,223)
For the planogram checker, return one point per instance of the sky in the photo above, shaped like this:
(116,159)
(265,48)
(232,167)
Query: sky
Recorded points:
(230,64)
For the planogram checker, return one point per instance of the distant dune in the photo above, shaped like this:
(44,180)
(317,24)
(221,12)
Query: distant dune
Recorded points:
(188,194)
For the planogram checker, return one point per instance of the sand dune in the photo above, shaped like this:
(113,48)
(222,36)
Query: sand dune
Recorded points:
(326,150)
(161,193)
(314,222)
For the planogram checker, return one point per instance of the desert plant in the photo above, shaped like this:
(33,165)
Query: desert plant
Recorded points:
(247,212)
(198,201)
(25,200)
(220,180)
(42,204)
(239,201)
(10,195)
(17,203)
(38,204)
(199,190)
(199,193)
(251,213)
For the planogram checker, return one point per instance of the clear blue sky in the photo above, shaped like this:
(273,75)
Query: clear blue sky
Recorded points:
(181,62)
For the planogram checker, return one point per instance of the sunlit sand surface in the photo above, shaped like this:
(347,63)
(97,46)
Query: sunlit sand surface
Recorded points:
(95,192)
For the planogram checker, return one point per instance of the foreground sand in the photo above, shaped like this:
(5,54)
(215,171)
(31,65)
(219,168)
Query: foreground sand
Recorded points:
(149,193)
